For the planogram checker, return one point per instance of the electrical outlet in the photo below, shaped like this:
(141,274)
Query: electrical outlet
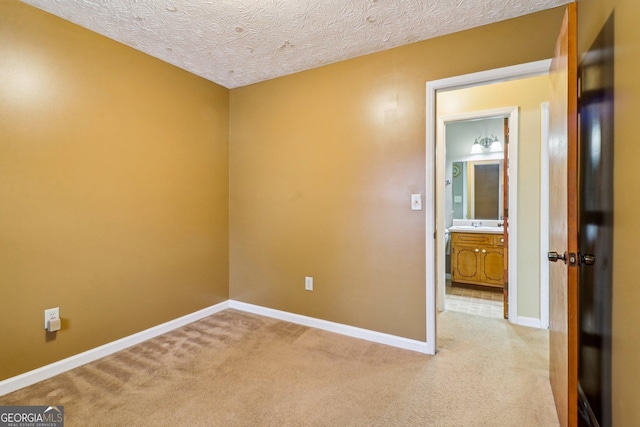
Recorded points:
(308,283)
(51,314)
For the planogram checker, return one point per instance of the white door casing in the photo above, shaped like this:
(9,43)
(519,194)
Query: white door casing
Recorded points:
(512,113)
(435,241)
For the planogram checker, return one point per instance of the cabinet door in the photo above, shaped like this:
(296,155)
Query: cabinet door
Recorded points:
(465,264)
(492,266)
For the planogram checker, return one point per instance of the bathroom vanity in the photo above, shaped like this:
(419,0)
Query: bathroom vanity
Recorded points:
(477,256)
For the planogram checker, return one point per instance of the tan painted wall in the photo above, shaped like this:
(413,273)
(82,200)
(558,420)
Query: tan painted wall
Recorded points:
(527,94)
(113,189)
(322,165)
(592,14)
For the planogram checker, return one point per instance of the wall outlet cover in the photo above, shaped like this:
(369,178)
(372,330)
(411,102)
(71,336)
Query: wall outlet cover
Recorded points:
(51,314)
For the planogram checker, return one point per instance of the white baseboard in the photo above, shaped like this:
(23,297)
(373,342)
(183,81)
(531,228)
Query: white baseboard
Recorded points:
(40,374)
(531,322)
(28,378)
(338,328)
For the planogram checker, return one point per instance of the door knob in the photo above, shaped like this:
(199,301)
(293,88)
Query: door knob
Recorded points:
(587,259)
(555,256)
(484,251)
(477,250)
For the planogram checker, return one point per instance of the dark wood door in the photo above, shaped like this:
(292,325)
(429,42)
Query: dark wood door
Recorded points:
(563,223)
(596,230)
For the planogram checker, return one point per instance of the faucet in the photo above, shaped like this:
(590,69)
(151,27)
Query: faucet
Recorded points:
(476,224)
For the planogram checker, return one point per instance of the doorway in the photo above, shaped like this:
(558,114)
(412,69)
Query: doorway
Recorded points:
(473,216)
(435,187)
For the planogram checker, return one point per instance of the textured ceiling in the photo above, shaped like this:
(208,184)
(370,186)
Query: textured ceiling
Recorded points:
(239,42)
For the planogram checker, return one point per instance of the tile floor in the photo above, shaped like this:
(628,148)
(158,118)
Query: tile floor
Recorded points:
(472,300)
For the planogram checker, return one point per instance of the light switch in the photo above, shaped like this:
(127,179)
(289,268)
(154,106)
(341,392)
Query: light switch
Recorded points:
(416,202)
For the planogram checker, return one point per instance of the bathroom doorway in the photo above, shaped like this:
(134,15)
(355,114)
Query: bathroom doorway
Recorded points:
(525,211)
(474,276)
(475,228)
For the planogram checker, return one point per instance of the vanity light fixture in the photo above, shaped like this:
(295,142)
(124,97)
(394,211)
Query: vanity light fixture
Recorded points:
(482,144)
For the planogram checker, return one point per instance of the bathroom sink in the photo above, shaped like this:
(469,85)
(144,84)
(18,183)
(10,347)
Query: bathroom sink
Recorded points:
(472,229)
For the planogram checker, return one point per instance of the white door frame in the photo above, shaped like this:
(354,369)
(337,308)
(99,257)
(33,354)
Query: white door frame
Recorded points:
(511,113)
(485,77)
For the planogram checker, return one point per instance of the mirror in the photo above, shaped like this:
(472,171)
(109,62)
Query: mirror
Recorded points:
(474,180)
(477,189)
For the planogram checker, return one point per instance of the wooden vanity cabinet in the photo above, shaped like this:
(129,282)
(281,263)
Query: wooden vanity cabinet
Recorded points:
(477,259)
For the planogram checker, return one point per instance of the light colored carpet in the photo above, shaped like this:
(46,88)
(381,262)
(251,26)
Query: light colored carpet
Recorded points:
(239,369)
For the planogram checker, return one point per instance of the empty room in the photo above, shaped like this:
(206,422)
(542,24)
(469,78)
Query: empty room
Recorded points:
(230,213)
